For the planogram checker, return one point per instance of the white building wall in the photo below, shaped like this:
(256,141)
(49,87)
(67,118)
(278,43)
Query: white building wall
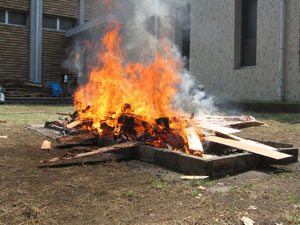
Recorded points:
(213,46)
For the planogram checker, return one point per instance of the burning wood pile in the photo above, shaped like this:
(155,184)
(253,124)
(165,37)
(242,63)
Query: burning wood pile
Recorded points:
(131,130)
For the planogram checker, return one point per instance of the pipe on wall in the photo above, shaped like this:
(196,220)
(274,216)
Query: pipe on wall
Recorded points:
(35,40)
(81,12)
(281,71)
(36,74)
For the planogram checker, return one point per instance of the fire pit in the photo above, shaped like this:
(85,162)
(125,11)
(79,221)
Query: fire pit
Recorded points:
(234,161)
(148,111)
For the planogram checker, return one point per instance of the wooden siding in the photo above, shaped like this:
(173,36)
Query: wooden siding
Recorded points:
(53,54)
(14,52)
(94,9)
(15,4)
(64,8)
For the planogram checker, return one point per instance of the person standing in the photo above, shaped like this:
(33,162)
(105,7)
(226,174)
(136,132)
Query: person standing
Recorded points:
(64,78)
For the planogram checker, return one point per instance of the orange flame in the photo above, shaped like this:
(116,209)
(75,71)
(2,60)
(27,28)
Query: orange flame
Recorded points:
(117,87)
(148,89)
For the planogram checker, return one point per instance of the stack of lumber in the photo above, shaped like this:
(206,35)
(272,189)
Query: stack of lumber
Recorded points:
(18,88)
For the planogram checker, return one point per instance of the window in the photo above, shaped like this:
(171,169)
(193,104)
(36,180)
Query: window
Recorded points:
(55,23)
(17,18)
(2,16)
(248,32)
(66,24)
(183,31)
(150,25)
(50,22)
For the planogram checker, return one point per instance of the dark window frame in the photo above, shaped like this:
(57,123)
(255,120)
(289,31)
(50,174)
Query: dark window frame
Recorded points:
(58,20)
(13,20)
(4,14)
(248,33)
(183,27)
(7,19)
(67,20)
(49,17)
(245,48)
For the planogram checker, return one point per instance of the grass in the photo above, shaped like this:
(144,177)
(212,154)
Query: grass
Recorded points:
(244,188)
(159,184)
(109,193)
(291,118)
(26,114)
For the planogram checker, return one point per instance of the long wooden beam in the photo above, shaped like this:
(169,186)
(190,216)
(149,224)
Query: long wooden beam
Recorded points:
(248,146)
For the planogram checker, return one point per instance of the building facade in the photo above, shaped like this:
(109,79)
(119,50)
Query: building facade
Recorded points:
(239,49)
(33,45)
(246,49)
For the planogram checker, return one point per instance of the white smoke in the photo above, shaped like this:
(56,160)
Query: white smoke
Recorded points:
(146,22)
(142,45)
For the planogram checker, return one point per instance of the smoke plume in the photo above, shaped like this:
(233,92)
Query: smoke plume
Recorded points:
(146,22)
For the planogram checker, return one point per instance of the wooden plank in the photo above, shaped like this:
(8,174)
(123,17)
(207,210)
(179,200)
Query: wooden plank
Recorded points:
(248,147)
(46,145)
(255,143)
(63,114)
(75,140)
(95,152)
(243,124)
(193,177)
(194,142)
(217,128)
(74,124)
(3,137)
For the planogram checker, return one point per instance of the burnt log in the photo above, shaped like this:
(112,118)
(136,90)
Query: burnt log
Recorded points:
(87,138)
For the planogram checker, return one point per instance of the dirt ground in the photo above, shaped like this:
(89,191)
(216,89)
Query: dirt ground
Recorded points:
(133,192)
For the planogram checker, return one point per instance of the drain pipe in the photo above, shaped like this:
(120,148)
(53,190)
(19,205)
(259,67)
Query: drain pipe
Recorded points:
(36,80)
(281,71)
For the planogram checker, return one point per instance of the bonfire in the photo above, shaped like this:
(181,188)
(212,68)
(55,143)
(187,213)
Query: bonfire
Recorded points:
(132,102)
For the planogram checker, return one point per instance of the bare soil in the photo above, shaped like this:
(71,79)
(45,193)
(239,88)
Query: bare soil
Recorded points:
(134,192)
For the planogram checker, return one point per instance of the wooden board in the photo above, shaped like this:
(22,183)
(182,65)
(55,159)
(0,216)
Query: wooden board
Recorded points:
(255,143)
(194,142)
(194,177)
(74,124)
(46,145)
(248,147)
(97,151)
(243,124)
(216,128)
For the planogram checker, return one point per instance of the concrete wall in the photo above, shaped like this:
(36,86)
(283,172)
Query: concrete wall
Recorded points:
(213,45)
